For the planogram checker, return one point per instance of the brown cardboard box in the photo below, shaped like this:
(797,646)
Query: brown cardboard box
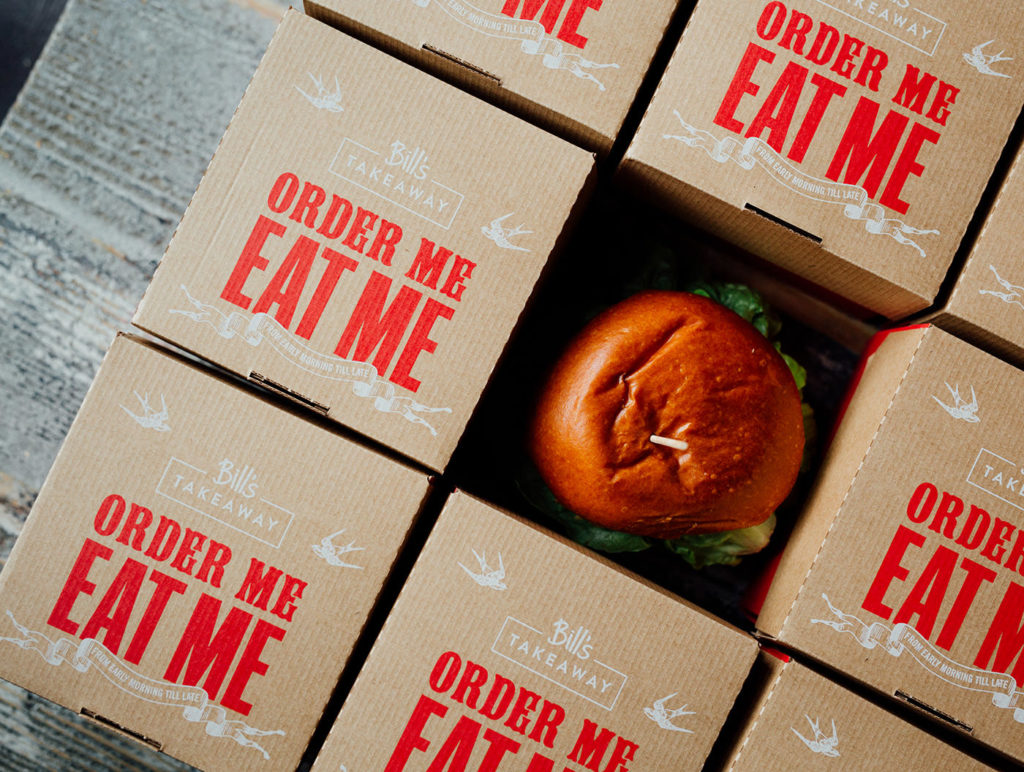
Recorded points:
(846,141)
(365,239)
(987,304)
(199,564)
(904,570)
(512,649)
(573,66)
(804,721)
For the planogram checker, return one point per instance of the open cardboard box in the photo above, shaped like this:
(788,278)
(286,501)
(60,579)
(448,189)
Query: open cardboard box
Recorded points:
(571,66)
(199,564)
(847,142)
(510,648)
(904,568)
(364,239)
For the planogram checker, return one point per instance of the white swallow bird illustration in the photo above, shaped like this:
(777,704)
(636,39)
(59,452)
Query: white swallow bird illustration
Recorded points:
(332,552)
(822,743)
(324,99)
(961,408)
(150,418)
(664,716)
(983,62)
(487,576)
(501,235)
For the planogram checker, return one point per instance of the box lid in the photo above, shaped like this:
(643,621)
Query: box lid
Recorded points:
(574,66)
(913,586)
(508,643)
(365,239)
(804,719)
(847,142)
(987,304)
(199,563)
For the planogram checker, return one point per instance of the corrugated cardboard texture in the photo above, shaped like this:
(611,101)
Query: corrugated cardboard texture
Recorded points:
(869,130)
(570,661)
(987,303)
(806,722)
(217,628)
(880,376)
(916,588)
(575,66)
(365,237)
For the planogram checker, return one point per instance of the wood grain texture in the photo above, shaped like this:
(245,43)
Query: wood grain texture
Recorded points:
(98,158)
(63,293)
(124,109)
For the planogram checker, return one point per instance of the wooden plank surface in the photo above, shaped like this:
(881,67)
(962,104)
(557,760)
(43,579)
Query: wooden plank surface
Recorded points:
(99,156)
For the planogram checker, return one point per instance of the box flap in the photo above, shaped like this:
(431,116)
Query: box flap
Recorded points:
(871,394)
(916,589)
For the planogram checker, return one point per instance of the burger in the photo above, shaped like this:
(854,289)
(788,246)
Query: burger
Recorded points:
(671,418)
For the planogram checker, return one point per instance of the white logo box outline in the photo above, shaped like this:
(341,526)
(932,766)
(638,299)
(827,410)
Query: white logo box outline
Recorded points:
(615,698)
(459,196)
(942,26)
(988,490)
(284,532)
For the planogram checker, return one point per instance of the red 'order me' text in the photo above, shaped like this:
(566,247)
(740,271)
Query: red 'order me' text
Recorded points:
(879,156)
(971,528)
(90,607)
(517,721)
(273,270)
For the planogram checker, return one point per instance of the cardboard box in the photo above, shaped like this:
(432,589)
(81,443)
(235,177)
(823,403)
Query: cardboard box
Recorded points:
(364,239)
(512,649)
(805,721)
(199,564)
(848,142)
(573,67)
(904,570)
(987,302)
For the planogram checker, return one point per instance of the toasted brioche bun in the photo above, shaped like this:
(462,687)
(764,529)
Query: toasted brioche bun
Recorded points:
(681,367)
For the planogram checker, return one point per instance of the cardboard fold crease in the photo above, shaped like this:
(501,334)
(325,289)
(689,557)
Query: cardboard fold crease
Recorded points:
(904,569)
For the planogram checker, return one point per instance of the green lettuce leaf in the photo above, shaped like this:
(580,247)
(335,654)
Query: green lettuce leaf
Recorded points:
(810,438)
(742,300)
(581,531)
(798,370)
(726,547)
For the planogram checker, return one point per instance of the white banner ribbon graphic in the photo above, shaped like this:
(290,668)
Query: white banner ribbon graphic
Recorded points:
(255,328)
(531,34)
(755,152)
(902,637)
(91,654)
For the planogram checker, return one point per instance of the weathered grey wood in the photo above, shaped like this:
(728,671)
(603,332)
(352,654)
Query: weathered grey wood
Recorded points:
(124,109)
(39,735)
(63,293)
(15,500)
(98,158)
